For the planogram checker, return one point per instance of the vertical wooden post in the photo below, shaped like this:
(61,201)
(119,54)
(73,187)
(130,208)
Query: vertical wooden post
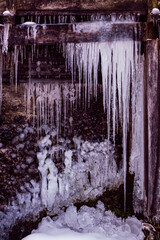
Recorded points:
(153,129)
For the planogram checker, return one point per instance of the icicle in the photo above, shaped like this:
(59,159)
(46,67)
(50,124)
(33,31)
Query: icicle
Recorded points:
(45,20)
(34,33)
(21,54)
(50,19)
(12,70)
(117,66)
(39,18)
(5,38)
(16,54)
(48,102)
(0,78)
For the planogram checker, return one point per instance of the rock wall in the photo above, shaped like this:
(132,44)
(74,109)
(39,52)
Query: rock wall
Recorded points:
(109,5)
(2,5)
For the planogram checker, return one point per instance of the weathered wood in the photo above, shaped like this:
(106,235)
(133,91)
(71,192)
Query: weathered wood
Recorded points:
(153,119)
(82,4)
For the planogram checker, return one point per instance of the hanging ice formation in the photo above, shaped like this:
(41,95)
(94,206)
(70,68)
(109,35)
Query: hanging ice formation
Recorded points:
(121,67)
(0,79)
(5,37)
(60,19)
(49,101)
(121,76)
(16,55)
(31,30)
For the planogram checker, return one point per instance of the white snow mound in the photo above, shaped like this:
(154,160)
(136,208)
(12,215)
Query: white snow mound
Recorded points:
(88,224)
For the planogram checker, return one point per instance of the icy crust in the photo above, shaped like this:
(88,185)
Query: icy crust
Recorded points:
(94,170)
(91,27)
(88,224)
(83,178)
(26,205)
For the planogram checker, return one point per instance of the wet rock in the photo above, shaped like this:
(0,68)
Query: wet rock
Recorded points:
(149,231)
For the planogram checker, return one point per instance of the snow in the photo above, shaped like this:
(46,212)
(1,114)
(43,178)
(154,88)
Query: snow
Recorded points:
(31,30)
(155,11)
(8,13)
(91,27)
(28,24)
(87,224)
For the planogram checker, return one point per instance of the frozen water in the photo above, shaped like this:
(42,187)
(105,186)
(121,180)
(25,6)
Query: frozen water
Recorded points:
(28,24)
(88,224)
(16,55)
(121,66)
(0,78)
(31,30)
(95,168)
(50,100)
(73,183)
(91,27)
(57,189)
(5,37)
(8,13)
(155,11)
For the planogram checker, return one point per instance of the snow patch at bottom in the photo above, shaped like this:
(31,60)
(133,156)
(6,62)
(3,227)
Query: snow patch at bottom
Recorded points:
(87,224)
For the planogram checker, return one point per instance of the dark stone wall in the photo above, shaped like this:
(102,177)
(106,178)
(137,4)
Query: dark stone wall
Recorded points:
(2,5)
(109,5)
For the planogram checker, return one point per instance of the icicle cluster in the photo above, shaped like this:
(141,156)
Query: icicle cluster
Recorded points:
(121,75)
(48,101)
(58,19)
